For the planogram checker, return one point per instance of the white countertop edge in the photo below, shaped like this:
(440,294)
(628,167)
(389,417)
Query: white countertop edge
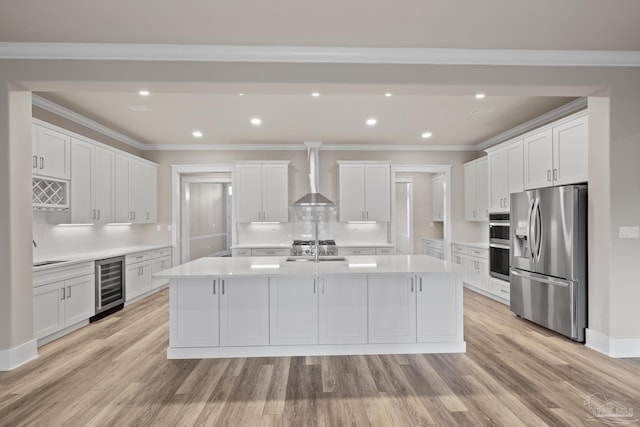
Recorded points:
(479,245)
(93,256)
(262,246)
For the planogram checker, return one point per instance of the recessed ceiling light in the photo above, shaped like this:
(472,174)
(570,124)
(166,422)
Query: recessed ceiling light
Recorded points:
(144,92)
(197,134)
(426,135)
(256,121)
(371,122)
(315,94)
(480,95)
(388,94)
(241,94)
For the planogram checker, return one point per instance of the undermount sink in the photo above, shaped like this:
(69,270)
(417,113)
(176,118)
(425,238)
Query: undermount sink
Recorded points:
(321,259)
(42,263)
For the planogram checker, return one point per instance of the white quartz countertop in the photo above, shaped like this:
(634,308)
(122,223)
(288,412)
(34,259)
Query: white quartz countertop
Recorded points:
(276,266)
(364,245)
(262,246)
(92,256)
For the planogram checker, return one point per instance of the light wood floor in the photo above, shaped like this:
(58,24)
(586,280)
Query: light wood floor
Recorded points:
(115,373)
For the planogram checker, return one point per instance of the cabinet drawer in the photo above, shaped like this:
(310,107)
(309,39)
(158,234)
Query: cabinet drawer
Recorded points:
(356,251)
(241,252)
(500,288)
(459,248)
(158,253)
(137,257)
(385,251)
(433,243)
(57,274)
(271,252)
(480,253)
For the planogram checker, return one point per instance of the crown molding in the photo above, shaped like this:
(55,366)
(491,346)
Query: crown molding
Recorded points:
(309,54)
(558,113)
(398,147)
(61,111)
(302,147)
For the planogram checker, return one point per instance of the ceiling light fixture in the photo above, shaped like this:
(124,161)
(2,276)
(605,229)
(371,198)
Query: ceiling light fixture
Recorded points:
(480,95)
(426,135)
(256,121)
(144,92)
(197,134)
(315,94)
(241,94)
(388,94)
(371,122)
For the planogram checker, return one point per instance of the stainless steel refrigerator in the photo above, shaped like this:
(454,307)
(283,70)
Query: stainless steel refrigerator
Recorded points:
(548,269)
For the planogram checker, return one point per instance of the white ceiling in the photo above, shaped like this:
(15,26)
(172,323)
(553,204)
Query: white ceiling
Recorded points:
(289,114)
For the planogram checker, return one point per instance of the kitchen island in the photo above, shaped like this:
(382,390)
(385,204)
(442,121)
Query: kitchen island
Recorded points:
(268,306)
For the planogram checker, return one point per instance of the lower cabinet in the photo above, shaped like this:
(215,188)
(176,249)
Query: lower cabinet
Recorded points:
(244,311)
(293,304)
(437,299)
(194,313)
(392,309)
(140,267)
(62,304)
(137,279)
(343,310)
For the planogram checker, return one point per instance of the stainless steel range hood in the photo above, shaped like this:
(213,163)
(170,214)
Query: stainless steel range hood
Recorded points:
(313,198)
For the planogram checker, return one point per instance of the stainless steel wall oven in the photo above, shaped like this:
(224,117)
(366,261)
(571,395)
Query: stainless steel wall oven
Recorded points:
(499,254)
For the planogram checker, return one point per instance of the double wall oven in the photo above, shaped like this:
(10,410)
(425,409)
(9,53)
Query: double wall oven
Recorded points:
(499,236)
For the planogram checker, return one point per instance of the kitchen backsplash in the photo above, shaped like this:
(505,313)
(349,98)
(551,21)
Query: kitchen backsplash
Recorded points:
(342,233)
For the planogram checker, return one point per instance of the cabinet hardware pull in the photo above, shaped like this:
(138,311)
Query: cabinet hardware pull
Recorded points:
(35,162)
(214,286)
(412,284)
(41,162)
(68,291)
(223,287)
(549,175)
(98,214)
(555,174)
(323,285)
(503,291)
(63,294)
(314,286)
(367,214)
(420,284)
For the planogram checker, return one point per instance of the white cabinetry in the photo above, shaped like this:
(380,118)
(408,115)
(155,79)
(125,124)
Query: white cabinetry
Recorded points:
(51,153)
(92,191)
(138,275)
(343,310)
(244,311)
(136,191)
(63,298)
(433,247)
(194,313)
(160,260)
(364,191)
(557,154)
(437,198)
(506,174)
(476,259)
(262,192)
(437,300)
(392,309)
(476,198)
(293,303)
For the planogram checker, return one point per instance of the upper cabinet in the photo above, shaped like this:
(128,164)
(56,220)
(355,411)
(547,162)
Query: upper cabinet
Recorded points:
(262,192)
(92,189)
(51,152)
(437,198)
(476,197)
(364,191)
(505,174)
(136,191)
(558,154)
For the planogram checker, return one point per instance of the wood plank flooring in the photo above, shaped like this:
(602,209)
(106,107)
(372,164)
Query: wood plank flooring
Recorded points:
(115,373)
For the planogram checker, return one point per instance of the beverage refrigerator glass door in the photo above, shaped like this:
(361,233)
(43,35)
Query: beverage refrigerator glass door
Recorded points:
(109,284)
(499,253)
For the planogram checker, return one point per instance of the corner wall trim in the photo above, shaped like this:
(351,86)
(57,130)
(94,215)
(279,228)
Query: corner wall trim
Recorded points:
(612,347)
(16,356)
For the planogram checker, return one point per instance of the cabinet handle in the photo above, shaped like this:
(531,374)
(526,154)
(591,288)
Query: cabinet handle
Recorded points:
(555,174)
(323,285)
(68,291)
(223,287)
(98,214)
(163,264)
(63,294)
(314,286)
(367,214)
(214,286)
(412,284)
(503,291)
(420,284)
(35,162)
(549,175)
(41,162)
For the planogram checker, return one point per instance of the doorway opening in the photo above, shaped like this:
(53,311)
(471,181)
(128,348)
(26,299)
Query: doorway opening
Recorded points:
(404,215)
(206,213)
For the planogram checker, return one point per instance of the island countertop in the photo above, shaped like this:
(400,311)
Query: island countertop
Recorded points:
(212,267)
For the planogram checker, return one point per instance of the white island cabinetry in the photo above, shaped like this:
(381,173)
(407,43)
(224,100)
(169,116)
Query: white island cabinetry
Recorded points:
(388,304)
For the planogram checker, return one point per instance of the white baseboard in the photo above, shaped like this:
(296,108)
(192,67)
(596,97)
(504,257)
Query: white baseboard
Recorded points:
(486,294)
(16,356)
(612,347)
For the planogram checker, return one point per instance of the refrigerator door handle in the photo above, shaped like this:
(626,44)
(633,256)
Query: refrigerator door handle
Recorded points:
(539,231)
(530,234)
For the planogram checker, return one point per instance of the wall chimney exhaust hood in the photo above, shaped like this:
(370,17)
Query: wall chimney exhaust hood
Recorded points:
(313,198)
